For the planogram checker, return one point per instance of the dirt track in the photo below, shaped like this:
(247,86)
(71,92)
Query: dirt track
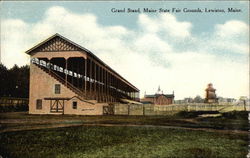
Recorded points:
(21,122)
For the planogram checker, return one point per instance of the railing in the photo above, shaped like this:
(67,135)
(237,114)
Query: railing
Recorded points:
(69,85)
(75,89)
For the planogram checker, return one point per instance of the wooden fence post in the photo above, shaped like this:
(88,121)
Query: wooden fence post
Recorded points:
(128,109)
(143,106)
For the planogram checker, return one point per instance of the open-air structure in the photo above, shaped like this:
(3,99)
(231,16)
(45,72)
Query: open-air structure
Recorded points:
(66,78)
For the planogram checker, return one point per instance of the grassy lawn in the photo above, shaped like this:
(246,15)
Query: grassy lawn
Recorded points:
(45,140)
(95,141)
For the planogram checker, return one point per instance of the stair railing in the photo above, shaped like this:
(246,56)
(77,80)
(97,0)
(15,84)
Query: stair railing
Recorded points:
(63,81)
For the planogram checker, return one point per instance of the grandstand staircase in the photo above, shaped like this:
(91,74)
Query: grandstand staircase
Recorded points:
(79,93)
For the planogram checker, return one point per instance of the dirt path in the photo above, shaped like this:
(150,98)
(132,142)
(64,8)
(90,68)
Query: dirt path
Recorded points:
(21,121)
(42,126)
(171,127)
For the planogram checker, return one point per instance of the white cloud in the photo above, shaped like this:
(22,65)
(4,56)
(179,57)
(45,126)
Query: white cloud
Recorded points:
(174,27)
(166,23)
(232,36)
(143,56)
(13,38)
(232,28)
(148,24)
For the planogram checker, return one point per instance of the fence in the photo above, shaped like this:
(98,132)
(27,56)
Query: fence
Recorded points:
(8,104)
(149,109)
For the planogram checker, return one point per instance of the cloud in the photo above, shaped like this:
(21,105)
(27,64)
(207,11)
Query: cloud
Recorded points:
(165,23)
(148,24)
(13,39)
(232,36)
(160,51)
(231,29)
(174,27)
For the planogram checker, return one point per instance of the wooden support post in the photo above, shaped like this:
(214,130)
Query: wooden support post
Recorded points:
(49,66)
(143,106)
(117,87)
(113,82)
(85,67)
(107,77)
(91,77)
(63,107)
(66,75)
(102,85)
(128,109)
(106,81)
(56,105)
(50,105)
(111,89)
(107,85)
(72,69)
(77,73)
(82,81)
(95,81)
(99,80)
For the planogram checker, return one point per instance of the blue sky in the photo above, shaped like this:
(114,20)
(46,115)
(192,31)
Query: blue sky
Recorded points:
(181,52)
(202,22)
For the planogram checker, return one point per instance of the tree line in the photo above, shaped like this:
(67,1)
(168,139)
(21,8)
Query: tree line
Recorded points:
(14,82)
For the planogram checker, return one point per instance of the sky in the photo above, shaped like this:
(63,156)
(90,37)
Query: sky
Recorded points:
(178,51)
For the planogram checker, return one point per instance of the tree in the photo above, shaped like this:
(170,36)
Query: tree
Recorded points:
(198,99)
(15,81)
(4,80)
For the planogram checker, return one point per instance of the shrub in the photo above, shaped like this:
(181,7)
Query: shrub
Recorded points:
(235,115)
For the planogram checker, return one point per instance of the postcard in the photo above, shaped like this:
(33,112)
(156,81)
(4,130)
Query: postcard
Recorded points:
(124,79)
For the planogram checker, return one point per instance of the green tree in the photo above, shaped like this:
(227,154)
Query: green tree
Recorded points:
(198,99)
(4,80)
(14,81)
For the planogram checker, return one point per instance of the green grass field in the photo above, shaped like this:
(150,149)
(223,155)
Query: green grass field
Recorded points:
(122,142)
(222,137)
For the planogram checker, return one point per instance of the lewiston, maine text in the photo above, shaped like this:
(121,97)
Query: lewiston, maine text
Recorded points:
(175,10)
